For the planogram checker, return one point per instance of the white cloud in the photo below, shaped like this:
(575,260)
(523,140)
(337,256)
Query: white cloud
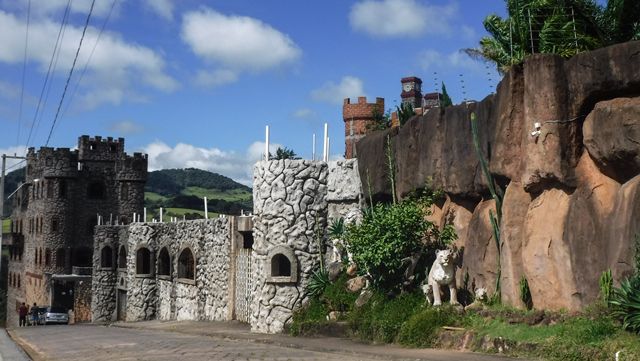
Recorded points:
(331,92)
(235,44)
(163,8)
(432,59)
(115,64)
(237,166)
(303,113)
(126,127)
(400,18)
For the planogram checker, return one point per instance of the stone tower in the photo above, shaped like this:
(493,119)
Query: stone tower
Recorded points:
(412,91)
(357,118)
(54,215)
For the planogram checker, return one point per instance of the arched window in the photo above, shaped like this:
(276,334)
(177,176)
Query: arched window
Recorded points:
(164,262)
(186,265)
(280,266)
(18,280)
(143,261)
(122,257)
(96,190)
(60,257)
(106,257)
(47,257)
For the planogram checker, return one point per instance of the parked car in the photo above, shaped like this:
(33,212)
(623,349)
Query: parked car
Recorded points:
(56,315)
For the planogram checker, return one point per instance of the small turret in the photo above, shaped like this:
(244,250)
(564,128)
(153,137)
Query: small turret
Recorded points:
(357,120)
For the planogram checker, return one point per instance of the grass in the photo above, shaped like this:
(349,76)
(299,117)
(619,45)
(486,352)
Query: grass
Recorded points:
(154,197)
(6,225)
(230,195)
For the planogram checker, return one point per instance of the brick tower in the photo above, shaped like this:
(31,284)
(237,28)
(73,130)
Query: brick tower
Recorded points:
(357,117)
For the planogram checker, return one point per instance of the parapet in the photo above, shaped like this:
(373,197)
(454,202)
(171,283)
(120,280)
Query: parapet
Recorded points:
(52,163)
(99,149)
(132,168)
(361,109)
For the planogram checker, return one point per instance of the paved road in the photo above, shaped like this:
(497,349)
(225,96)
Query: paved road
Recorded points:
(92,342)
(8,349)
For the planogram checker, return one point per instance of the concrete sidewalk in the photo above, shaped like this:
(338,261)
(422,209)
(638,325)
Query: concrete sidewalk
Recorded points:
(239,331)
(9,351)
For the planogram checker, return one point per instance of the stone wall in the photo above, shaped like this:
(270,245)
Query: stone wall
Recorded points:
(571,205)
(292,202)
(166,297)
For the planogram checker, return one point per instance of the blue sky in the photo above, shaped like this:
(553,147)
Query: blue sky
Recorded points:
(193,83)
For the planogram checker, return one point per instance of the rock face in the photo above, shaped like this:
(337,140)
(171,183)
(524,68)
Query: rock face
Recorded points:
(570,209)
(612,134)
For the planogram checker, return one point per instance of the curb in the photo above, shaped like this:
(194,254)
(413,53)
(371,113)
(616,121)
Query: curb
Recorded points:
(26,347)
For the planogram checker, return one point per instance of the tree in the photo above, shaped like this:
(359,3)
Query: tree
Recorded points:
(284,153)
(405,112)
(381,121)
(446,99)
(564,27)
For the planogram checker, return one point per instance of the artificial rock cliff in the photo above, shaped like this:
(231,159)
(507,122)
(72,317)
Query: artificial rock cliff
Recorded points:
(571,194)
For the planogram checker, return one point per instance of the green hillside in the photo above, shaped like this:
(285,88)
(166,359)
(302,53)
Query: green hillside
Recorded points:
(181,193)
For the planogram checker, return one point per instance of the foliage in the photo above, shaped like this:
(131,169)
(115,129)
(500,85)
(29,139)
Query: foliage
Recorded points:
(173,181)
(446,99)
(625,300)
(496,194)
(525,293)
(391,168)
(563,27)
(308,319)
(381,318)
(380,120)
(421,329)
(336,297)
(405,112)
(336,228)
(386,235)
(318,283)
(606,286)
(284,153)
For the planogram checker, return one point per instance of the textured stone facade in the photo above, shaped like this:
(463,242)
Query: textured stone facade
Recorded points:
(54,214)
(163,291)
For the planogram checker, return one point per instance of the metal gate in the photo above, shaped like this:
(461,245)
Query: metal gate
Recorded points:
(244,289)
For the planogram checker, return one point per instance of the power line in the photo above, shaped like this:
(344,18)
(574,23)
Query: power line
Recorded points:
(63,25)
(75,59)
(86,65)
(24,70)
(15,165)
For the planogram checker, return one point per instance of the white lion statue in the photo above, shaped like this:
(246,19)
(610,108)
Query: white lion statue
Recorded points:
(442,273)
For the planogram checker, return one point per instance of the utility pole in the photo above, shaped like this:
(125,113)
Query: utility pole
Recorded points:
(4,166)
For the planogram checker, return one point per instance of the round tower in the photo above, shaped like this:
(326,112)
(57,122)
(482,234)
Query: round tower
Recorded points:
(357,119)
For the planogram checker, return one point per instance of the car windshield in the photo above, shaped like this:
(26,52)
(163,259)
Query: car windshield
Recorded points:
(57,310)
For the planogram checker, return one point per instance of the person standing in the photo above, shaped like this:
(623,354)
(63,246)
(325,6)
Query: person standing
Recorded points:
(34,314)
(22,312)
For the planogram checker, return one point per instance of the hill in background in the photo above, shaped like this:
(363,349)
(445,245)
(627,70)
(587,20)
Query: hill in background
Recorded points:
(181,193)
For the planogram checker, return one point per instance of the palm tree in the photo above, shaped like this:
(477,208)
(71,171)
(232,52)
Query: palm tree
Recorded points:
(563,27)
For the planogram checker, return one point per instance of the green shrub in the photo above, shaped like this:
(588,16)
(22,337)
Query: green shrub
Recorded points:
(336,297)
(421,329)
(525,293)
(307,319)
(386,235)
(606,286)
(318,283)
(625,303)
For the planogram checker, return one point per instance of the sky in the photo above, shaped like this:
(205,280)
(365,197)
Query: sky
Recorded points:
(194,83)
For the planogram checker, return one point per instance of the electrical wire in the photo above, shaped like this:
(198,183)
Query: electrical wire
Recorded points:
(86,65)
(14,165)
(75,59)
(24,71)
(54,56)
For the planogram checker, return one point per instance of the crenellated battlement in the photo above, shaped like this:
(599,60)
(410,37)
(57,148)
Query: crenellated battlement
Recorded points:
(100,149)
(132,168)
(361,110)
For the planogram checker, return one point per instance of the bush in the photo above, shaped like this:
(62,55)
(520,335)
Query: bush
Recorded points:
(421,329)
(386,235)
(625,303)
(308,319)
(336,297)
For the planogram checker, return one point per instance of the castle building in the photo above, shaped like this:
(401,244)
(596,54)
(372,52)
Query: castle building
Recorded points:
(411,91)
(54,214)
(358,119)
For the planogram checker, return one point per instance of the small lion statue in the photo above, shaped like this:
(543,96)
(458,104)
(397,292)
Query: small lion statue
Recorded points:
(442,273)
